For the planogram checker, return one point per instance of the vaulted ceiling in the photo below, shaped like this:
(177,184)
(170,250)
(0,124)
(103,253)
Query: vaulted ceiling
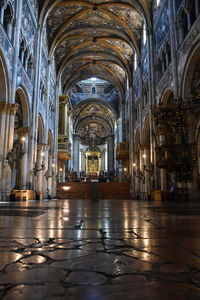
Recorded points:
(94,38)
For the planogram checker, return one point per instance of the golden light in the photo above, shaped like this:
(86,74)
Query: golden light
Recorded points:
(144,155)
(23,139)
(134,165)
(66,188)
(60,169)
(125,169)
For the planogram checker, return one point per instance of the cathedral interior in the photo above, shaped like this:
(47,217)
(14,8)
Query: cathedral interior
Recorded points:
(99,149)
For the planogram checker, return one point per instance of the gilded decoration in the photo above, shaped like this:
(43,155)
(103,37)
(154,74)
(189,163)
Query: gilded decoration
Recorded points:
(176,154)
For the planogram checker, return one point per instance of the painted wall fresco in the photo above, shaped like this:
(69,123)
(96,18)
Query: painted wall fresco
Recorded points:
(93,130)
(162,29)
(27,27)
(8,51)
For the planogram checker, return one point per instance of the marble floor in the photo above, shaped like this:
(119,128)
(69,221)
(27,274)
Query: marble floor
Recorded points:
(106,249)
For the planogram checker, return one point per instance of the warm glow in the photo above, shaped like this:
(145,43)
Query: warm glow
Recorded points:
(66,188)
(125,169)
(53,165)
(60,169)
(42,153)
(134,165)
(23,139)
(144,155)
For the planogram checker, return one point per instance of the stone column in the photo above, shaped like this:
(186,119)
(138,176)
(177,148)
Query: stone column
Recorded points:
(146,159)
(110,153)
(7,117)
(33,138)
(55,146)
(2,3)
(163,178)
(50,174)
(16,44)
(173,47)
(152,100)
(76,149)
(23,134)
(3,114)
(46,170)
(40,168)
(197,6)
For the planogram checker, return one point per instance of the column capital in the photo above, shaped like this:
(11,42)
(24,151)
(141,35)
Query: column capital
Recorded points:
(162,131)
(3,106)
(40,147)
(23,131)
(145,146)
(46,147)
(13,108)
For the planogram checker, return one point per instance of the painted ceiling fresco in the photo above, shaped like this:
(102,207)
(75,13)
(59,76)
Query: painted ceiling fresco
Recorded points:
(94,37)
(99,112)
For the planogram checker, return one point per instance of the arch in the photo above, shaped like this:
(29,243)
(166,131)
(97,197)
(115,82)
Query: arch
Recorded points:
(188,71)
(96,101)
(165,96)
(4,79)
(21,92)
(40,129)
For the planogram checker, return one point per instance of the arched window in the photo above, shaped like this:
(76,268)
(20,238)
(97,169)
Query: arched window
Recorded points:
(30,67)
(93,90)
(163,62)
(25,63)
(168,54)
(183,25)
(7,20)
(22,51)
(190,8)
(42,92)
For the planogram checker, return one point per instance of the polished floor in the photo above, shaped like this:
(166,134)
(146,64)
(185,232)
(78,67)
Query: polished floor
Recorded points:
(106,249)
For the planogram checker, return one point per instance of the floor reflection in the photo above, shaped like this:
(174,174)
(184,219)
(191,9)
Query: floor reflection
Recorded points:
(97,244)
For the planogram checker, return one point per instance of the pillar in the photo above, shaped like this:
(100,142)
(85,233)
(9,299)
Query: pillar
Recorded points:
(50,174)
(163,177)
(173,47)
(23,134)
(45,170)
(40,168)
(197,7)
(146,159)
(110,141)
(76,149)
